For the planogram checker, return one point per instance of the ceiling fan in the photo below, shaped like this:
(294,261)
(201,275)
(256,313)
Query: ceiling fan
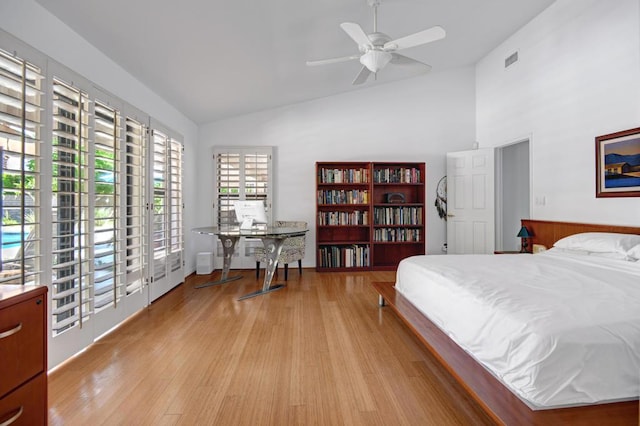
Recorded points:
(378,49)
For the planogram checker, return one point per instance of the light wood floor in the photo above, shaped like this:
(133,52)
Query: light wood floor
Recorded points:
(318,352)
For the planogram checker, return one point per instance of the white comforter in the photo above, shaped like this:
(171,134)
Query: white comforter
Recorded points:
(557,329)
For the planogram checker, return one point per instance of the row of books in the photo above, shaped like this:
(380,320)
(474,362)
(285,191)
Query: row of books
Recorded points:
(396,234)
(399,175)
(354,256)
(344,218)
(342,196)
(343,175)
(397,216)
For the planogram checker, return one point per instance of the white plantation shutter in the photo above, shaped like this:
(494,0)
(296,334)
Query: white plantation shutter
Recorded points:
(160,226)
(108,276)
(228,186)
(175,214)
(257,176)
(136,236)
(71,286)
(20,132)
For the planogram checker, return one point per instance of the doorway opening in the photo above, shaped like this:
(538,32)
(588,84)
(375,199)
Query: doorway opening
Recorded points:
(513,193)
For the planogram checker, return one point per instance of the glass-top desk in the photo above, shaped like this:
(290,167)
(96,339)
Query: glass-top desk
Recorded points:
(272,238)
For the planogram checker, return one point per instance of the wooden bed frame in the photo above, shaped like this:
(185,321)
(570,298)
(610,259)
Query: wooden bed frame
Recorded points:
(503,406)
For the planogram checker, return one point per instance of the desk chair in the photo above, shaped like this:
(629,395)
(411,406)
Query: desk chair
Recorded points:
(292,249)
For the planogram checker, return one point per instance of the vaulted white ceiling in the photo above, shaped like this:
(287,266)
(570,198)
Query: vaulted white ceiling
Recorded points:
(213,59)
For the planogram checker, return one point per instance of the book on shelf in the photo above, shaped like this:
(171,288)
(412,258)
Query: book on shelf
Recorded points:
(397,216)
(396,235)
(343,218)
(351,256)
(343,196)
(397,175)
(328,175)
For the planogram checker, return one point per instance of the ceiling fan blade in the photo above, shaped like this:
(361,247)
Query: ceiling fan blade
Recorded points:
(362,76)
(416,39)
(356,32)
(398,59)
(332,60)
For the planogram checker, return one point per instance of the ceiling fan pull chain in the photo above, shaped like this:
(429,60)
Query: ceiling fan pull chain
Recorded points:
(375,17)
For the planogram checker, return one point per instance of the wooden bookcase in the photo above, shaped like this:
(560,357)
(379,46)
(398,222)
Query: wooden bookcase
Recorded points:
(368,215)
(398,229)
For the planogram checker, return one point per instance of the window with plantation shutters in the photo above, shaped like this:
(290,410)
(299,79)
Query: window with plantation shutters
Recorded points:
(20,131)
(71,287)
(241,173)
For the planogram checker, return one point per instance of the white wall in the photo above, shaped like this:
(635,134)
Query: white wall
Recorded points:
(31,23)
(417,119)
(578,77)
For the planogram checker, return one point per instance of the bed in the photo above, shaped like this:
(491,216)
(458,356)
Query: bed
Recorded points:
(523,371)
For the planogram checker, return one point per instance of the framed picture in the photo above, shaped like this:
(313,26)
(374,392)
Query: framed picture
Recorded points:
(618,164)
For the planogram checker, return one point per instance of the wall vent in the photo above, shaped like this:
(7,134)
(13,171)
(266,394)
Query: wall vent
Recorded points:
(511,59)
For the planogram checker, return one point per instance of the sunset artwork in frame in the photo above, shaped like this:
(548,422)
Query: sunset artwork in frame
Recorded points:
(618,164)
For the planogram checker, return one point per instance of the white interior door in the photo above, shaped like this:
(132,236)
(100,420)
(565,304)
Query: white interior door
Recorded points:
(471,201)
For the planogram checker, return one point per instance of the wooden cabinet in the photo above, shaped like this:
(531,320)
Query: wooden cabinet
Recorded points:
(23,351)
(369,215)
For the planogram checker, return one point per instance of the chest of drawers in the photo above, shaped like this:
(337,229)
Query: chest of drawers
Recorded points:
(23,355)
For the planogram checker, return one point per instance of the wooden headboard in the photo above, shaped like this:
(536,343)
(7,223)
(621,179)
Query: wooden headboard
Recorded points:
(547,232)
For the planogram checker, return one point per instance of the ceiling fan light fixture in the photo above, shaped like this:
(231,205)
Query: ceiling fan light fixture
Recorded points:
(375,60)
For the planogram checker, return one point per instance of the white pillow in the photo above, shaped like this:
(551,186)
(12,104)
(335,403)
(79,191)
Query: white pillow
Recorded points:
(573,252)
(600,242)
(634,252)
(607,255)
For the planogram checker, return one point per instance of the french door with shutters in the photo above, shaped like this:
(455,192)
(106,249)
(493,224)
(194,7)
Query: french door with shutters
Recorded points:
(136,247)
(117,204)
(241,173)
(105,207)
(76,198)
(98,204)
(71,289)
(167,236)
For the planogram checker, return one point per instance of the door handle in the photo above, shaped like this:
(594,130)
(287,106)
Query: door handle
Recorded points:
(451,215)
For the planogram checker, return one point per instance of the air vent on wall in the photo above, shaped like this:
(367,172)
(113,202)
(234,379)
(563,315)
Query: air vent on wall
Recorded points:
(511,59)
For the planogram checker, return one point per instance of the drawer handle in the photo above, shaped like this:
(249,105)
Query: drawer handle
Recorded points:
(14,418)
(8,333)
